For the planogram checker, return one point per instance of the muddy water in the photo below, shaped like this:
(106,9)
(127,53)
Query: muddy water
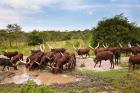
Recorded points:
(40,77)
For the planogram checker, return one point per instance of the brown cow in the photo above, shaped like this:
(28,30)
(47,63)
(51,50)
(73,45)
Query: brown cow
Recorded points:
(17,58)
(105,55)
(10,54)
(60,62)
(97,50)
(33,61)
(133,60)
(56,50)
(82,51)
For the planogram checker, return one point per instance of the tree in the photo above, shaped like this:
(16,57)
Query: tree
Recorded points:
(12,29)
(34,39)
(114,30)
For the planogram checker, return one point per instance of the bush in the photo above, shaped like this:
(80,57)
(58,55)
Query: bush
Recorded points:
(34,40)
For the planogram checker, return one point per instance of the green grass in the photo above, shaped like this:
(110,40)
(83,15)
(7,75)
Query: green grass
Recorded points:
(25,49)
(121,80)
(30,87)
(124,64)
(105,74)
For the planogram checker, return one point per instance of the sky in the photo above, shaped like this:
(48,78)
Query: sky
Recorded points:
(64,14)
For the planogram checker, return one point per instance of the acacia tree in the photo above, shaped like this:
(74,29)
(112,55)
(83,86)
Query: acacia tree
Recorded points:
(12,29)
(115,30)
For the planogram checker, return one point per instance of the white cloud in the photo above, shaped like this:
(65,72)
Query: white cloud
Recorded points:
(14,11)
(9,16)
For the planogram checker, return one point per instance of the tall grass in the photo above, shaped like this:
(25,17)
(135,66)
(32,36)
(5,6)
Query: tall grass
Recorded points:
(25,49)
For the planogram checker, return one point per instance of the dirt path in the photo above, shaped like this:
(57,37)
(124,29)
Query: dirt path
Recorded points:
(89,64)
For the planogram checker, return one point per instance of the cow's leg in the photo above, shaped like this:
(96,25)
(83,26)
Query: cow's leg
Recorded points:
(133,66)
(100,64)
(95,64)
(112,64)
(3,67)
(8,68)
(117,61)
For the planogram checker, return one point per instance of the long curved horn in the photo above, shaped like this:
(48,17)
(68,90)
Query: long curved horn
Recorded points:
(97,45)
(138,45)
(74,47)
(120,45)
(129,45)
(18,63)
(43,46)
(37,62)
(79,46)
(50,47)
(104,45)
(41,49)
(61,53)
(90,46)
(22,61)
(28,61)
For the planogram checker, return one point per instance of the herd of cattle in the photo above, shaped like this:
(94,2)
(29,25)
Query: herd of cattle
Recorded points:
(58,59)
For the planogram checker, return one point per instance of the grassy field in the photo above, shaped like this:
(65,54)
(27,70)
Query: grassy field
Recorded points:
(25,49)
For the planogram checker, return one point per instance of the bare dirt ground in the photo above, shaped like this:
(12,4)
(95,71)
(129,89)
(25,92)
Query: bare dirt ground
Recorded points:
(44,77)
(89,64)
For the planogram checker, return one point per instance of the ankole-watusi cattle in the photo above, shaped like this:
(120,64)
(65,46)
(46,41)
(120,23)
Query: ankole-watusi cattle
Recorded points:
(17,58)
(133,60)
(135,49)
(56,50)
(42,49)
(10,54)
(105,55)
(126,50)
(65,60)
(117,54)
(82,51)
(7,63)
(97,50)
(33,61)
(72,61)
(47,58)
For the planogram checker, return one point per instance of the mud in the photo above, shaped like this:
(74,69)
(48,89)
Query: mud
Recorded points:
(22,75)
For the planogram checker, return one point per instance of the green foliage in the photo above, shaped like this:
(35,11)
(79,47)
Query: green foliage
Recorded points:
(34,39)
(29,87)
(115,30)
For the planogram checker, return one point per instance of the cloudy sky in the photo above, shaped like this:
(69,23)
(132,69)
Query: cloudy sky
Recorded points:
(64,14)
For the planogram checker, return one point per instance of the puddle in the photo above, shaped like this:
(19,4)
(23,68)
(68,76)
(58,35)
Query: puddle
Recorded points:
(39,77)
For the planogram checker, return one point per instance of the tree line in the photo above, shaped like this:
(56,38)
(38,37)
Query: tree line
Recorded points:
(12,36)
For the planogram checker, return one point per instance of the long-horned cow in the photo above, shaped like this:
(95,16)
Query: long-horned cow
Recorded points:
(82,51)
(105,55)
(133,60)
(56,50)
